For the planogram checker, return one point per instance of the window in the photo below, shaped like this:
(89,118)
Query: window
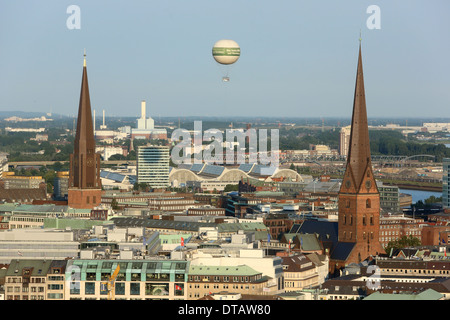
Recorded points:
(368,203)
(135,288)
(55,286)
(90,276)
(179,277)
(120,288)
(89,288)
(74,288)
(135,277)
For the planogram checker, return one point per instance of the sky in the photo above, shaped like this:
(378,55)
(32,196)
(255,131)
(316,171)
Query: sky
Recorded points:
(298,58)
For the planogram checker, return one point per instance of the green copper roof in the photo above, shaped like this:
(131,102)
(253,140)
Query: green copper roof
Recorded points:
(428,294)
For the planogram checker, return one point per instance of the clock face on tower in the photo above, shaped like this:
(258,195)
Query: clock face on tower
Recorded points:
(348,184)
(368,184)
(89,162)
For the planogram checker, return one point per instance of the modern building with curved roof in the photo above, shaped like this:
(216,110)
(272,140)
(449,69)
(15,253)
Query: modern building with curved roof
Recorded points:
(207,172)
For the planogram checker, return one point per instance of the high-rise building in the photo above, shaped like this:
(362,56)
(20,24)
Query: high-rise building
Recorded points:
(153,166)
(344,138)
(445,183)
(85,187)
(359,198)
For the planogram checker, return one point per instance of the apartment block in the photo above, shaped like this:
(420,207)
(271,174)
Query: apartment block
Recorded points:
(207,279)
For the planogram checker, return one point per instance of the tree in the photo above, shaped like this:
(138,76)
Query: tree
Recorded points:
(140,186)
(114,204)
(432,200)
(117,156)
(403,242)
(231,187)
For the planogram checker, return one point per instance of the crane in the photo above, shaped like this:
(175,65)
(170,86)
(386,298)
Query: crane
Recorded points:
(110,283)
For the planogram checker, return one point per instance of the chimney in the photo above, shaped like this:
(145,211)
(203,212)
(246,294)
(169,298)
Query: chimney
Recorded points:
(143,115)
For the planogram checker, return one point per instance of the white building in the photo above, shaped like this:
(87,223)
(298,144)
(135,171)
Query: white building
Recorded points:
(37,244)
(344,140)
(254,258)
(436,127)
(146,127)
(107,151)
(3,162)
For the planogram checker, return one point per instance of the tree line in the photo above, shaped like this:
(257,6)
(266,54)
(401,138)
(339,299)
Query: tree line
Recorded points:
(382,142)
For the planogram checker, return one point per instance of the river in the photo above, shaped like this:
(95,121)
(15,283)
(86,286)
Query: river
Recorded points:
(420,195)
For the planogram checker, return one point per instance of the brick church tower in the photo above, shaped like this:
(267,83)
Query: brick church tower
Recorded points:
(85,188)
(359,199)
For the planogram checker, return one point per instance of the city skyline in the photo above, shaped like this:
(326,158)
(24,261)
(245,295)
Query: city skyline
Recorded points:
(297,58)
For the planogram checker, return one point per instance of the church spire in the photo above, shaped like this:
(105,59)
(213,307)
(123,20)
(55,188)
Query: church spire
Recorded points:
(358,157)
(84,172)
(84,138)
(359,199)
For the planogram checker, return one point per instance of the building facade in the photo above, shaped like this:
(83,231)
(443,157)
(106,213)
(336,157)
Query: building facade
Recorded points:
(136,279)
(26,280)
(300,272)
(389,198)
(153,166)
(206,280)
(395,227)
(445,183)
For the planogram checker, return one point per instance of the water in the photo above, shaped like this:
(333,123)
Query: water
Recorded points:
(420,194)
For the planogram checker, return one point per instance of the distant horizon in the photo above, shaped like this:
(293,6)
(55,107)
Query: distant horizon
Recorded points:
(19,113)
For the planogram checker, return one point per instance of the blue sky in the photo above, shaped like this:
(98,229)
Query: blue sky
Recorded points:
(298,58)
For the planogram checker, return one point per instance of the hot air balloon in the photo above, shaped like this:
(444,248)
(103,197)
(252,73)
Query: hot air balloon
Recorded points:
(226,52)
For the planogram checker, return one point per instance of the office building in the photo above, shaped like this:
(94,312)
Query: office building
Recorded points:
(136,280)
(344,139)
(389,197)
(153,166)
(445,182)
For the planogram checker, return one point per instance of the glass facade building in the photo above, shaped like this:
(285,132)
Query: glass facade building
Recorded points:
(445,181)
(153,166)
(136,280)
